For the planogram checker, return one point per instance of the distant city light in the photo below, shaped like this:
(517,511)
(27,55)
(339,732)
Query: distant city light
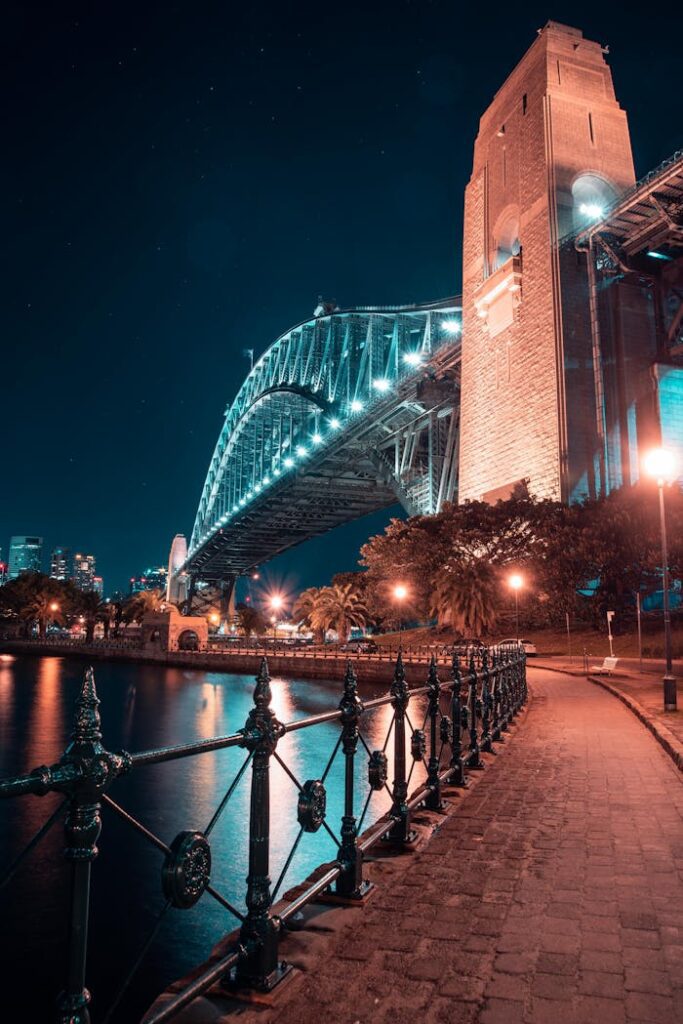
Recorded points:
(382,385)
(592,210)
(412,359)
(356,406)
(317,438)
(451,326)
(334,423)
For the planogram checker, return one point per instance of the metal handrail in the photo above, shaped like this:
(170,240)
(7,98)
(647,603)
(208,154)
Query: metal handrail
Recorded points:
(483,698)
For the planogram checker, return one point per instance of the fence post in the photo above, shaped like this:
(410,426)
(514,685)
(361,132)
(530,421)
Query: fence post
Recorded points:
(433,801)
(486,742)
(96,768)
(400,832)
(350,883)
(474,760)
(459,714)
(496,674)
(261,968)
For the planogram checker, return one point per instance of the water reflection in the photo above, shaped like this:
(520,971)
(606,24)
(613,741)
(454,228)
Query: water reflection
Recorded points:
(144,707)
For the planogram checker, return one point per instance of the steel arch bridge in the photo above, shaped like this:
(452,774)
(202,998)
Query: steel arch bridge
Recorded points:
(345,414)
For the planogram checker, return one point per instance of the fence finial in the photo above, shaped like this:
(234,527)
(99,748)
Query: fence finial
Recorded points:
(262,691)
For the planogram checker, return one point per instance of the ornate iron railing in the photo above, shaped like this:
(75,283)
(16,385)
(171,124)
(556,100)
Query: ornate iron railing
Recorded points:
(482,699)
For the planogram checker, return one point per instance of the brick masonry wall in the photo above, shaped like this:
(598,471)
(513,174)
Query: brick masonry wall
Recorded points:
(528,407)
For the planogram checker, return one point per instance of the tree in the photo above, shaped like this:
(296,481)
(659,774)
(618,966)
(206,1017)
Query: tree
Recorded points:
(141,604)
(339,608)
(251,620)
(92,609)
(304,609)
(33,597)
(466,595)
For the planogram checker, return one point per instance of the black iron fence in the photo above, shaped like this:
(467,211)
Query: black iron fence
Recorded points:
(462,718)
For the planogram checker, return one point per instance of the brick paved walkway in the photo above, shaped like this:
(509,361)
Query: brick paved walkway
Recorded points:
(554,894)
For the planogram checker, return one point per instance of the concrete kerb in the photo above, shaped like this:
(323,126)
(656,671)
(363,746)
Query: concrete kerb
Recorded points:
(672,746)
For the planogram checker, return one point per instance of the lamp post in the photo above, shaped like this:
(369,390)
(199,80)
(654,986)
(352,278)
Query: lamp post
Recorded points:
(516,582)
(400,594)
(661,465)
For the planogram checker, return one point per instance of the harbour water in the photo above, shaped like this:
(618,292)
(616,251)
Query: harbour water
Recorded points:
(145,706)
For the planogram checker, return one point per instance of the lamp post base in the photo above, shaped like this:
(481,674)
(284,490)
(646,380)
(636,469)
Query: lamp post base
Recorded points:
(670,696)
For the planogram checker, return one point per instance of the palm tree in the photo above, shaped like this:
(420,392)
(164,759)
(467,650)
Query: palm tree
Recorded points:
(250,620)
(304,608)
(93,609)
(141,604)
(35,598)
(465,597)
(340,608)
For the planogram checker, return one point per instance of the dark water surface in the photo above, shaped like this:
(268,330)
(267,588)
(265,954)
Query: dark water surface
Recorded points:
(142,707)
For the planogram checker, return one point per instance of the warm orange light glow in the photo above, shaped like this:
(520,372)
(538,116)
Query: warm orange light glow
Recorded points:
(660,463)
(215,618)
(54,607)
(516,581)
(400,592)
(276,601)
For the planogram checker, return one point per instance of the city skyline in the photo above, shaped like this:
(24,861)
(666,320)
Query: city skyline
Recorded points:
(159,279)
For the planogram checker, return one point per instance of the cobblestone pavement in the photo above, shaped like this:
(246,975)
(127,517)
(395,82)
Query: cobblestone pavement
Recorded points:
(554,894)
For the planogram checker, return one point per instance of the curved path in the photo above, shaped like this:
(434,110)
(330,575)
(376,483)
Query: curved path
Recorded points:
(554,894)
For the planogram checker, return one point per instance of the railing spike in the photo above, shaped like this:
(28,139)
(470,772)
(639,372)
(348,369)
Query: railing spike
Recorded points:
(262,691)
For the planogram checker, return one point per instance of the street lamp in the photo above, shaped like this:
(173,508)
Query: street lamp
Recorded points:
(400,594)
(516,582)
(661,465)
(276,603)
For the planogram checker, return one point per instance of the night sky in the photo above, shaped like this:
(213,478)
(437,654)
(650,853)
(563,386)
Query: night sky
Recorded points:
(181,181)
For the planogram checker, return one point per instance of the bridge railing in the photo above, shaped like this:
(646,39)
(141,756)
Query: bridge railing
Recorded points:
(459,720)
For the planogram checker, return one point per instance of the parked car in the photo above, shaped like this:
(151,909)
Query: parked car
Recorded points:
(360,644)
(529,648)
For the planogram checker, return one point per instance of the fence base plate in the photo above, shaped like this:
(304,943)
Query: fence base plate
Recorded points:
(366,892)
(279,981)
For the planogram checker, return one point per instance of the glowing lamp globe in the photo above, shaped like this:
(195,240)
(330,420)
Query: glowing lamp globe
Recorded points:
(516,581)
(400,592)
(660,463)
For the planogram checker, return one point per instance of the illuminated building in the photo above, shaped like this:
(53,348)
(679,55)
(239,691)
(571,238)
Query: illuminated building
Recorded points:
(25,555)
(84,572)
(59,564)
(151,579)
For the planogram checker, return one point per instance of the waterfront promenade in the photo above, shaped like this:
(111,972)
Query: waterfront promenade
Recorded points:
(553,893)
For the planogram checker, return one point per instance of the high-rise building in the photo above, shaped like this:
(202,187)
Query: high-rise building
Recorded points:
(84,571)
(59,564)
(3,570)
(151,579)
(25,555)
(98,585)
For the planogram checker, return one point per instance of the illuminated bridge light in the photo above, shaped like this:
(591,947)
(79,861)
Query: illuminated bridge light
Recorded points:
(301,451)
(276,471)
(657,255)
(412,359)
(266,481)
(382,385)
(592,210)
(289,462)
(335,423)
(257,487)
(451,326)
(235,508)
(317,438)
(356,405)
